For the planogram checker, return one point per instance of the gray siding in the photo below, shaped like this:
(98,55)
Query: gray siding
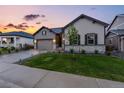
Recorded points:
(115,42)
(49,35)
(85,26)
(119,20)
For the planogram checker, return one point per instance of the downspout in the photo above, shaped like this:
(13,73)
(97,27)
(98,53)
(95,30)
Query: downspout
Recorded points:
(119,43)
(105,38)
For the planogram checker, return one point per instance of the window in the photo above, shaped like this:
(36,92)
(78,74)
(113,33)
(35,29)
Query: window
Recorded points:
(4,40)
(91,39)
(43,32)
(11,40)
(78,39)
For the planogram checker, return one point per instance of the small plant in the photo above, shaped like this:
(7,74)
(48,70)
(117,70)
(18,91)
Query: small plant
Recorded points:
(96,51)
(83,51)
(27,47)
(17,50)
(71,50)
(0,51)
(108,53)
(12,48)
(9,49)
(109,48)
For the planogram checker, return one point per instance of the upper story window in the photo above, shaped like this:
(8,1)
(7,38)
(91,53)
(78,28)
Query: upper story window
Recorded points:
(91,39)
(44,32)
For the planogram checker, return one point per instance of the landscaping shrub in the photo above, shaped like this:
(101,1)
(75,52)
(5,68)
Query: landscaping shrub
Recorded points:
(27,47)
(71,50)
(83,51)
(4,50)
(108,53)
(0,51)
(16,50)
(96,51)
(109,48)
(12,48)
(9,49)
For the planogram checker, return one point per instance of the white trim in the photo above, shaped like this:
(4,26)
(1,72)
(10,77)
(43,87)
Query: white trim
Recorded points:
(93,38)
(122,43)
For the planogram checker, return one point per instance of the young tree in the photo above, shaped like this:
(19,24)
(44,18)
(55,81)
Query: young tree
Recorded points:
(72,35)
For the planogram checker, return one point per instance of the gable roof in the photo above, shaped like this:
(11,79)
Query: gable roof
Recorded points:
(53,30)
(19,33)
(43,27)
(57,30)
(114,20)
(119,32)
(88,17)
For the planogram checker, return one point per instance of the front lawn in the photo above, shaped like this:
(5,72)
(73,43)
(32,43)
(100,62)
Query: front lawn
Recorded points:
(99,66)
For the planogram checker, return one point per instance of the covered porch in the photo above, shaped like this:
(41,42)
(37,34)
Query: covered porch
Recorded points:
(6,41)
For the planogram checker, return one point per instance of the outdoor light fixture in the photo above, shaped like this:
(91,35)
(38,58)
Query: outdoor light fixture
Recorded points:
(54,40)
(35,41)
(63,39)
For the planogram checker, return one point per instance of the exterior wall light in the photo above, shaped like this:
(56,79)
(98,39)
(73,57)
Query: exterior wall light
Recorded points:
(35,41)
(63,39)
(54,41)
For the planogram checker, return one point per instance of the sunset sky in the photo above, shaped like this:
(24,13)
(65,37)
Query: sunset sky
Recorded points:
(31,18)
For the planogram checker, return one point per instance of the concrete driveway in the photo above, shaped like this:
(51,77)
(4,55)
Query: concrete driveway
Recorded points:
(14,57)
(16,76)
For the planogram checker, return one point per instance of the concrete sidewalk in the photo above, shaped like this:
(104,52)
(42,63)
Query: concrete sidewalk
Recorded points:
(13,75)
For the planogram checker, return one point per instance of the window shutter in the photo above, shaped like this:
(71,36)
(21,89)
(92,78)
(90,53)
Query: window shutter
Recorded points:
(86,39)
(78,39)
(96,39)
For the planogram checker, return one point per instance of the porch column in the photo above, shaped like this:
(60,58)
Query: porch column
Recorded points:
(122,43)
(35,44)
(14,41)
(54,44)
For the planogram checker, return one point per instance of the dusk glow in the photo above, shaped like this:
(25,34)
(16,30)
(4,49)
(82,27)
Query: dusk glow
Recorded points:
(31,18)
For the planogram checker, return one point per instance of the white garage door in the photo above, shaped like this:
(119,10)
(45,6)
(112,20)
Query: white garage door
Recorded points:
(45,44)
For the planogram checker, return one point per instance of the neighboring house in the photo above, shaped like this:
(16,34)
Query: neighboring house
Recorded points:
(115,33)
(48,39)
(91,34)
(15,39)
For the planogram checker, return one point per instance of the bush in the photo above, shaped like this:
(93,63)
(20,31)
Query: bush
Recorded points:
(27,47)
(108,53)
(71,50)
(109,48)
(12,48)
(9,49)
(96,51)
(83,51)
(4,50)
(16,50)
(0,51)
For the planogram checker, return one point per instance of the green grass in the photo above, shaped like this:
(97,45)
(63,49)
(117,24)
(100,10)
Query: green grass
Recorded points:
(99,66)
